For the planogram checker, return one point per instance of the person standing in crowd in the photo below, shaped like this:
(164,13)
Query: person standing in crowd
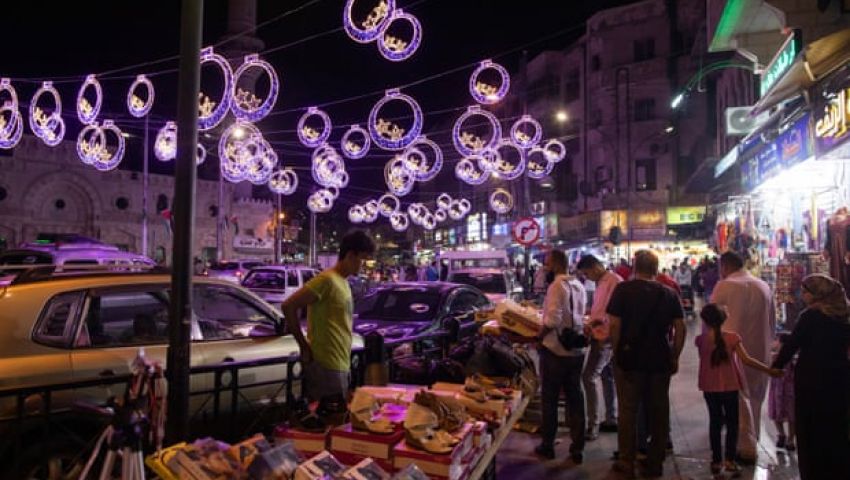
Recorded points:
(642,313)
(540,284)
(431,273)
(821,379)
(710,277)
(326,351)
(623,269)
(749,305)
(719,352)
(682,275)
(598,366)
(560,366)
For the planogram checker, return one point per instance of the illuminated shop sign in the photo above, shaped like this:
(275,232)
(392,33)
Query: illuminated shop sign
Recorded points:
(685,215)
(781,63)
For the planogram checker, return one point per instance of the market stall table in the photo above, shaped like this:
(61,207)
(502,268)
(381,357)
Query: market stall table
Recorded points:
(483,469)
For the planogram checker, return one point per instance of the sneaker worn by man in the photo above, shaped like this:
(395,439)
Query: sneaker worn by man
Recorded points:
(545,451)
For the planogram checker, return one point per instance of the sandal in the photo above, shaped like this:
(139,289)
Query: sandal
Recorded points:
(363,409)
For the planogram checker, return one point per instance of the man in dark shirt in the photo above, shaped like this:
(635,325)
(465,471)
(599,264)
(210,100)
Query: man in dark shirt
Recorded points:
(642,312)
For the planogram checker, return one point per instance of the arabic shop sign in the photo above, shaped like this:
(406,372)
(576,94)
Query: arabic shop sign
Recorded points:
(790,147)
(781,63)
(685,215)
(832,120)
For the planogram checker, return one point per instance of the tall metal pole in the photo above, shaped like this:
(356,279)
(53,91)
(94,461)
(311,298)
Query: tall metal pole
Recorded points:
(219,233)
(179,327)
(526,194)
(145,184)
(313,253)
(278,229)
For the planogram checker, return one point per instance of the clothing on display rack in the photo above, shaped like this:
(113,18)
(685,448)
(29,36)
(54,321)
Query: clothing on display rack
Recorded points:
(837,242)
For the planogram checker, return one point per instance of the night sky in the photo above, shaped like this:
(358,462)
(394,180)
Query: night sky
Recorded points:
(64,41)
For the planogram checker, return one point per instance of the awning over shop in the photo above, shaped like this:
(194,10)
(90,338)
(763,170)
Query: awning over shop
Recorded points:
(817,60)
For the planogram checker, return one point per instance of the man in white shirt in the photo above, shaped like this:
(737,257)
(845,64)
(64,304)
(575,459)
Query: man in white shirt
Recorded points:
(598,367)
(560,366)
(752,315)
(683,274)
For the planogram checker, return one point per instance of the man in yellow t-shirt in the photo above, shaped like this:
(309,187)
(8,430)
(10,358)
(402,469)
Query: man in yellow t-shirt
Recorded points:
(326,350)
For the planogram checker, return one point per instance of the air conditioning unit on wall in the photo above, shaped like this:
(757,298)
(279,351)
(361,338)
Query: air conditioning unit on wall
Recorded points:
(740,121)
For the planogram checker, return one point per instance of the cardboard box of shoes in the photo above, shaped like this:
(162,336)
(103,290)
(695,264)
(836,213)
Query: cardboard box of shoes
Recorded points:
(351,445)
(448,466)
(306,443)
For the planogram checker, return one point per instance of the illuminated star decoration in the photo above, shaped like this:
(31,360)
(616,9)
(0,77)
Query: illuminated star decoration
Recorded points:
(11,128)
(387,135)
(504,168)
(211,113)
(501,201)
(50,128)
(467,143)
(374,24)
(422,167)
(538,164)
(245,105)
(308,136)
(397,49)
(469,171)
(353,149)
(485,93)
(519,136)
(86,112)
(93,148)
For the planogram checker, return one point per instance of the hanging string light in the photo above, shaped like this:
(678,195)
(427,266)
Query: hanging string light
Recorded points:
(389,135)
(48,126)
(309,136)
(506,169)
(212,113)
(398,179)
(245,104)
(93,145)
(388,204)
(355,148)
(165,145)
(394,48)
(466,142)
(356,214)
(555,150)
(372,26)
(485,93)
(399,221)
(86,111)
(321,201)
(370,210)
(468,170)
(501,201)
(136,105)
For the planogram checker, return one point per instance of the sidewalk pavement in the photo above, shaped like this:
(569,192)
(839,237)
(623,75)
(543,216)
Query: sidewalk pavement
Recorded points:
(692,456)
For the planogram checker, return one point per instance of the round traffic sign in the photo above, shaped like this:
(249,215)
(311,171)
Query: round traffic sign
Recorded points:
(526,231)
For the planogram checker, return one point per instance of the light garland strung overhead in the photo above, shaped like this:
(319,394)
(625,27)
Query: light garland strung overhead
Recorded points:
(422,167)
(309,136)
(284,181)
(389,135)
(399,221)
(86,111)
(520,135)
(355,148)
(11,120)
(537,164)
(136,105)
(356,214)
(394,48)
(501,201)
(93,145)
(212,113)
(398,179)
(90,141)
(485,93)
(372,26)
(322,200)
(328,168)
(466,142)
(245,105)
(245,155)
(49,127)
(388,204)
(459,208)
(370,210)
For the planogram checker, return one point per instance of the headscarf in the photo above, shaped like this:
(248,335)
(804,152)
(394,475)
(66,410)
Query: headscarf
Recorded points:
(828,295)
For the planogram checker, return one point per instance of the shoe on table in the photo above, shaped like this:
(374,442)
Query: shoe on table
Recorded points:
(608,427)
(545,451)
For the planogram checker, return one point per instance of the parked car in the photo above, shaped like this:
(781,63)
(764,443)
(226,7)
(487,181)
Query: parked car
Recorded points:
(59,329)
(232,270)
(275,283)
(497,285)
(397,310)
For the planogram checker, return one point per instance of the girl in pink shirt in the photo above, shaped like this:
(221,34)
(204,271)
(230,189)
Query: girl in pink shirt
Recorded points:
(720,380)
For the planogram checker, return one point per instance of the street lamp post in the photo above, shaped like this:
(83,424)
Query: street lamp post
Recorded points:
(145,184)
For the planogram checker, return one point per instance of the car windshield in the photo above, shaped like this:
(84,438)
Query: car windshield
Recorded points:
(224,266)
(402,304)
(265,279)
(486,282)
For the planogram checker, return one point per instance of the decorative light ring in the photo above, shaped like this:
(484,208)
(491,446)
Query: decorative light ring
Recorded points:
(465,205)
(352,149)
(333,192)
(328,168)
(11,130)
(165,144)
(239,146)
(201,154)
(320,201)
(135,105)
(106,161)
(356,214)
(232,172)
(373,26)
(309,137)
(387,204)
(420,168)
(456,210)
(416,210)
(501,201)
(396,49)
(386,134)
(283,181)
(370,209)
(489,160)
(555,150)
(211,114)
(505,169)
(441,215)
(429,222)
(522,139)
(260,170)
(6,86)
(86,112)
(49,128)
(90,142)
(399,221)
(469,171)
(537,164)
(245,105)
(488,94)
(399,181)
(444,200)
(467,143)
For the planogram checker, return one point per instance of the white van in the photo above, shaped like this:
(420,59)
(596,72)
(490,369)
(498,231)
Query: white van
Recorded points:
(464,260)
